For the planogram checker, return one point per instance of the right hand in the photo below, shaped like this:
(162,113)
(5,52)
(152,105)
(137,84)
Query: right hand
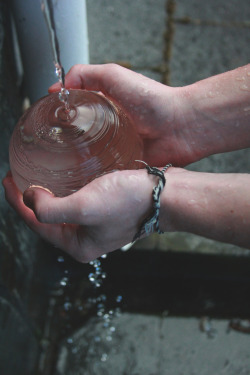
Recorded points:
(154,108)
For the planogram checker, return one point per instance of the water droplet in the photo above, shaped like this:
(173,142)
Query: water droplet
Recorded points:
(144,92)
(240,78)
(98,270)
(64,281)
(75,350)
(100,306)
(192,202)
(96,263)
(67,306)
(56,130)
(106,317)
(98,283)
(118,312)
(118,299)
(109,338)
(244,88)
(101,298)
(104,357)
(60,259)
(70,340)
(64,97)
(104,256)
(92,277)
(211,94)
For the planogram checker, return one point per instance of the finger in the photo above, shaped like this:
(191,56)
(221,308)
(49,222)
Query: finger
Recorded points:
(55,87)
(97,78)
(70,238)
(12,194)
(51,209)
(73,79)
(15,199)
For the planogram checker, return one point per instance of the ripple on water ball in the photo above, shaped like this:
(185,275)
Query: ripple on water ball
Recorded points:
(64,149)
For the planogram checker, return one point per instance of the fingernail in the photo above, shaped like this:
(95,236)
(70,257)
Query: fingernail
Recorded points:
(28,198)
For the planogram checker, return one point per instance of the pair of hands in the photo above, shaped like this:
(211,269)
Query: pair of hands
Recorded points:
(105,214)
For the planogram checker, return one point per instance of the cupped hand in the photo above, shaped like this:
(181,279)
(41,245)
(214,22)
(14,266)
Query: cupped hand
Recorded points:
(101,217)
(154,108)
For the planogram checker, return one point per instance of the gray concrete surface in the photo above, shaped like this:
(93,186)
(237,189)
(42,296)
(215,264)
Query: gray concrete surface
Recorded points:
(149,345)
(177,42)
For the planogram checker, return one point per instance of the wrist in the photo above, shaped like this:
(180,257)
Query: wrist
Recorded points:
(151,223)
(169,220)
(216,112)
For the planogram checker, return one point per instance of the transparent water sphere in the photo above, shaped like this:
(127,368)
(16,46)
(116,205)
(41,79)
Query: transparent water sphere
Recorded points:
(64,149)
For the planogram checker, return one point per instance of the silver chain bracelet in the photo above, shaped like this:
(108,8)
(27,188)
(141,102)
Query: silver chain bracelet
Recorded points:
(152,222)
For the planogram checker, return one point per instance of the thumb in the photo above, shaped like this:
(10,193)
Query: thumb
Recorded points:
(50,209)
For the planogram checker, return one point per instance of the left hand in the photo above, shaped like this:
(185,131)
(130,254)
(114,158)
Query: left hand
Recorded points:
(101,217)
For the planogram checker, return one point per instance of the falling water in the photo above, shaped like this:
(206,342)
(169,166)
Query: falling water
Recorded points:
(99,302)
(105,315)
(47,9)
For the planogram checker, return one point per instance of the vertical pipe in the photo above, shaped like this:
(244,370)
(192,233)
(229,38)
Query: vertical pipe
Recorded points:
(34,43)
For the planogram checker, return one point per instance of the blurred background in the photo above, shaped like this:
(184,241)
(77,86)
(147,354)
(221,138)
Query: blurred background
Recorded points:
(173,304)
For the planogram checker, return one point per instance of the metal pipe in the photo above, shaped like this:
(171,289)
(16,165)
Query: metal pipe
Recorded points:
(34,42)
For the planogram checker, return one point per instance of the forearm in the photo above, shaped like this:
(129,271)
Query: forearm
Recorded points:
(215,206)
(216,111)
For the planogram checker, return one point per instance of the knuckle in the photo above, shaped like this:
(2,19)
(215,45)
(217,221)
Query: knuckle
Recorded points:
(75,68)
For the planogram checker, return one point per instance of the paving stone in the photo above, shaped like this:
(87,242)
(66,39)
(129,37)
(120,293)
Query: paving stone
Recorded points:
(152,345)
(126,31)
(214,10)
(230,162)
(202,51)
(187,242)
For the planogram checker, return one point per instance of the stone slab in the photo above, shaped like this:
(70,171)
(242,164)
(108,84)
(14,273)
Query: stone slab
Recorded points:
(152,345)
(214,10)
(126,31)
(202,51)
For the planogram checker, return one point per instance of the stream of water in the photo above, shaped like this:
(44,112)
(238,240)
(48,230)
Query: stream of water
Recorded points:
(47,9)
